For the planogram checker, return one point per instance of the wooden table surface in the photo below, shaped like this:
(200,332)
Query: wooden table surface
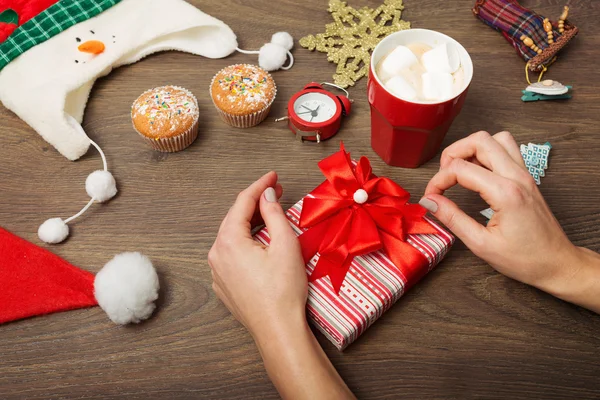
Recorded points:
(464,332)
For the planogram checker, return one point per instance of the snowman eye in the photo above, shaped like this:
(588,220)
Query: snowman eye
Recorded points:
(93,33)
(76,61)
(78,40)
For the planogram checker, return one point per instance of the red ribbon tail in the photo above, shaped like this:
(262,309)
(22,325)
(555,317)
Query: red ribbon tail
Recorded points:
(336,272)
(311,239)
(410,261)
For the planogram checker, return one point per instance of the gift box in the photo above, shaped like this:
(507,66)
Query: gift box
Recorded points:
(364,245)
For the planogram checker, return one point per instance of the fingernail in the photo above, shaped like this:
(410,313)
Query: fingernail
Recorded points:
(429,205)
(270,195)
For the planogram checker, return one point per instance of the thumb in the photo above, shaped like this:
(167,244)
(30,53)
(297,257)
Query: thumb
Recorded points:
(471,232)
(275,219)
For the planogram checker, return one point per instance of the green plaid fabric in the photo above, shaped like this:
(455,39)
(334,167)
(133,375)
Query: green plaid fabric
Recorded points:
(58,17)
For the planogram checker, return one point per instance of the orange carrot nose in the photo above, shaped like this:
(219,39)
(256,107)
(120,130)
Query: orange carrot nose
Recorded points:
(92,46)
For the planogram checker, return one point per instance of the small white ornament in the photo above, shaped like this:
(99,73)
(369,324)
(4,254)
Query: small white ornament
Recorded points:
(101,186)
(283,39)
(361,196)
(53,230)
(126,288)
(548,88)
(272,56)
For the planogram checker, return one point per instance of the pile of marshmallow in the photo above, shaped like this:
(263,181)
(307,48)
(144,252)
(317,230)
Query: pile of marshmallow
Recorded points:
(434,76)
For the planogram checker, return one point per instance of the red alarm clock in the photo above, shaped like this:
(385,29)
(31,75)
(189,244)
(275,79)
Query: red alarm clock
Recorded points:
(315,114)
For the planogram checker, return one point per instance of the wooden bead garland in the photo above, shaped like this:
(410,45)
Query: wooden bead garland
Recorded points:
(562,19)
(529,43)
(548,29)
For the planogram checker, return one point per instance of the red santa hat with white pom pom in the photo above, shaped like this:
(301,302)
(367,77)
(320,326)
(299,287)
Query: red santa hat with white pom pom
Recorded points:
(36,282)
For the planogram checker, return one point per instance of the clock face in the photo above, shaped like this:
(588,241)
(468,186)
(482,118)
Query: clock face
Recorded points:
(315,107)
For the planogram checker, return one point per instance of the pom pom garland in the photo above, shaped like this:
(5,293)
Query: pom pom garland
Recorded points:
(126,288)
(53,230)
(101,186)
(272,56)
(283,39)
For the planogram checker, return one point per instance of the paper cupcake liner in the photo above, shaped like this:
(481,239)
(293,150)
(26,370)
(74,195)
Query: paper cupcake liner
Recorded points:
(175,143)
(243,121)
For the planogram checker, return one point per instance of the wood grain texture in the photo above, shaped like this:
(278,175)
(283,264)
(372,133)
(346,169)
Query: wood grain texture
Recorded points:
(464,332)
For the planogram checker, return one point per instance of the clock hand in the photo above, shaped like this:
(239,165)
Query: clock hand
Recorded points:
(315,112)
(311,118)
(306,108)
(305,112)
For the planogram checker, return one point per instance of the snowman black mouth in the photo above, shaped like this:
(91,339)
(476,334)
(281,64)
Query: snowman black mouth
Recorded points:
(78,40)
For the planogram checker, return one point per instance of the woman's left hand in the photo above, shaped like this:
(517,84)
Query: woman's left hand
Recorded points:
(262,287)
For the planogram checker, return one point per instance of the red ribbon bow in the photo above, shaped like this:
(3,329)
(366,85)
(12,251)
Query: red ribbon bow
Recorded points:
(354,213)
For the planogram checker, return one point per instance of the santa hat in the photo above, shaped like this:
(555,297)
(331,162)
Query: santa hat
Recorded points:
(54,51)
(36,282)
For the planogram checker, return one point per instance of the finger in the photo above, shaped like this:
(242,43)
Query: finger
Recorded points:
(277,223)
(473,234)
(478,179)
(239,216)
(482,147)
(257,219)
(507,141)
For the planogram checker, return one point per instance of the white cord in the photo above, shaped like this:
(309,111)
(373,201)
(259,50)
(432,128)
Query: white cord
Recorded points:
(84,209)
(101,154)
(290,65)
(247,51)
(79,128)
(291,61)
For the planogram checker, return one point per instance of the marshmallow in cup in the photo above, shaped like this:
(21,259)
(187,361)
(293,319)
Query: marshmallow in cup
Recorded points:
(437,85)
(399,59)
(443,58)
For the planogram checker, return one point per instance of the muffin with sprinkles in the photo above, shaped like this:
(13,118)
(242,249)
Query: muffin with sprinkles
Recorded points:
(166,117)
(243,94)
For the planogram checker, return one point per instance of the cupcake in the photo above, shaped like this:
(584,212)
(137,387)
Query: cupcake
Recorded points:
(166,117)
(243,94)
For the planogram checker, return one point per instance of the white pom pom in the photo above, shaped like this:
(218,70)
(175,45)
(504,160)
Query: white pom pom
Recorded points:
(54,230)
(272,57)
(283,39)
(101,185)
(126,288)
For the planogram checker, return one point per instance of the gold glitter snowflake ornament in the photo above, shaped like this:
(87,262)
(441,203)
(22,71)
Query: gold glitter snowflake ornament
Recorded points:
(349,40)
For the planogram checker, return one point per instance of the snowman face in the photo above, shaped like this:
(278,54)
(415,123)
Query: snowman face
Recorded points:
(89,46)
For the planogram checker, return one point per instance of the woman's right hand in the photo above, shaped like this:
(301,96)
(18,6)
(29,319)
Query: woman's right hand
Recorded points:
(523,240)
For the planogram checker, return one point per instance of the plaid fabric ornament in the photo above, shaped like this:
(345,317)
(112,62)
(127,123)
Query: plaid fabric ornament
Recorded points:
(536,39)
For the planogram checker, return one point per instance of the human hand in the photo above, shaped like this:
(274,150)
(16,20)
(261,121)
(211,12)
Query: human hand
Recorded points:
(264,288)
(523,240)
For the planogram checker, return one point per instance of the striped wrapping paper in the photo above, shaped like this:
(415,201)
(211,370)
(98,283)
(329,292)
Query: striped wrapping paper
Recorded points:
(373,284)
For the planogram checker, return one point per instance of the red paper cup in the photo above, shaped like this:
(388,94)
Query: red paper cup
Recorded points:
(408,133)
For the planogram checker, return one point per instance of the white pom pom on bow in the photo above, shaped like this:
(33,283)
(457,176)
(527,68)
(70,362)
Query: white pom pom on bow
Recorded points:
(273,55)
